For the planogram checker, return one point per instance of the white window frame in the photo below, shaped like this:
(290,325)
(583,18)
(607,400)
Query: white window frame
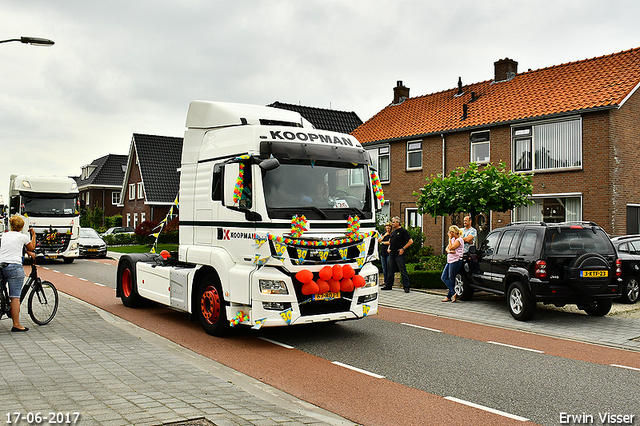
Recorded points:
(535,133)
(384,152)
(411,149)
(142,216)
(575,216)
(135,220)
(132,191)
(477,140)
(411,215)
(140,191)
(128,219)
(115,198)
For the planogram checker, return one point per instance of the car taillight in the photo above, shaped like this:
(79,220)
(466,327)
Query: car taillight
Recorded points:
(541,269)
(618,268)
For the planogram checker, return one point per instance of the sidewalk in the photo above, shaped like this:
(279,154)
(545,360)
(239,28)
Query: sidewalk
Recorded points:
(113,373)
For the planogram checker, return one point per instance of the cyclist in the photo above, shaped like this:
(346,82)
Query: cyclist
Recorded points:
(11,249)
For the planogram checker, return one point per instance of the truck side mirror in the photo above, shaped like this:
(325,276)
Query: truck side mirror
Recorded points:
(269,164)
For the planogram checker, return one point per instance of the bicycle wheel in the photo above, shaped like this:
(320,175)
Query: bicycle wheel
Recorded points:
(43,303)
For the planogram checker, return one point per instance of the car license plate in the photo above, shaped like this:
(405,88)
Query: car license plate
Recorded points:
(51,256)
(92,250)
(326,296)
(594,274)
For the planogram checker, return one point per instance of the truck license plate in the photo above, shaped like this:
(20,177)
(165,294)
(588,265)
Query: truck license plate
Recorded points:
(326,296)
(594,274)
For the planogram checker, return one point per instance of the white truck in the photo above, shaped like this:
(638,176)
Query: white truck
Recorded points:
(49,204)
(277,224)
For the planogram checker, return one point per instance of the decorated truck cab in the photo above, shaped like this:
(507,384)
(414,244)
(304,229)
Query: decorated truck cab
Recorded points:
(277,224)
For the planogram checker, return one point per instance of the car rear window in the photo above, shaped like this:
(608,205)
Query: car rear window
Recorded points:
(572,241)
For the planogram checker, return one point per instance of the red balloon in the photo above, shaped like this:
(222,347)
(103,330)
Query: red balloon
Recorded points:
(358,281)
(347,271)
(304,276)
(346,285)
(337,272)
(323,286)
(334,285)
(310,288)
(325,273)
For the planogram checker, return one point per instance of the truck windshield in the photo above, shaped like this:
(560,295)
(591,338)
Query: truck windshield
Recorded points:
(49,205)
(319,190)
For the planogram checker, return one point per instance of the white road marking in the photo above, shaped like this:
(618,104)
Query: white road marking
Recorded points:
(421,327)
(624,366)
(490,410)
(359,370)
(516,347)
(101,285)
(276,343)
(82,279)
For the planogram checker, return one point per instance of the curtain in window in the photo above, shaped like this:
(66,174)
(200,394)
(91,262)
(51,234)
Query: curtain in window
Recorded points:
(573,209)
(558,145)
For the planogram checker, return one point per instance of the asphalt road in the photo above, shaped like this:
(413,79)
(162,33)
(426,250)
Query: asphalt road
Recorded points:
(398,354)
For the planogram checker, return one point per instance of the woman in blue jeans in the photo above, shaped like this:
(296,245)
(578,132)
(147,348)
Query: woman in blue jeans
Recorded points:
(455,248)
(13,242)
(384,250)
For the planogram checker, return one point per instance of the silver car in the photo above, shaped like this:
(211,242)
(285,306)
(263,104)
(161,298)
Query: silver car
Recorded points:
(91,244)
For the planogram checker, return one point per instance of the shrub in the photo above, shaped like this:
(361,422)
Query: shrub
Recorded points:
(424,279)
(413,252)
(146,228)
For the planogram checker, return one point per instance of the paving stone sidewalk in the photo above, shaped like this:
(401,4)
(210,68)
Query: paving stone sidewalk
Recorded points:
(113,373)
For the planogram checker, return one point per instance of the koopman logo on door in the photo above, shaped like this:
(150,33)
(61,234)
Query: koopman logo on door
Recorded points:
(228,234)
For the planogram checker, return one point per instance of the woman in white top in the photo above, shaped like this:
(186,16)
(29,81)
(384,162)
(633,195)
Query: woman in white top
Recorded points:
(11,248)
(455,249)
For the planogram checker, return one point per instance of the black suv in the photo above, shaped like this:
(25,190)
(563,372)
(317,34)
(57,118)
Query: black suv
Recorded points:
(553,263)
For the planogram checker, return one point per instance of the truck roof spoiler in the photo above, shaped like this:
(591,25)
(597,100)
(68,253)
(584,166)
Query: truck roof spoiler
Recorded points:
(206,115)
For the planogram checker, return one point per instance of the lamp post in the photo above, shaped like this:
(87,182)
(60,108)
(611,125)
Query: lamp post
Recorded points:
(34,41)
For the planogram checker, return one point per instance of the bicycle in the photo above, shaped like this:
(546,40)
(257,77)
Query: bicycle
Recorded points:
(42,303)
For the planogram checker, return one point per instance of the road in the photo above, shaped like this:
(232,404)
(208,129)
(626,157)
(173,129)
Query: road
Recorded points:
(399,367)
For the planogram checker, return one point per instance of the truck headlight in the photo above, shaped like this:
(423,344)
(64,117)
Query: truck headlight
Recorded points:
(371,280)
(74,246)
(273,287)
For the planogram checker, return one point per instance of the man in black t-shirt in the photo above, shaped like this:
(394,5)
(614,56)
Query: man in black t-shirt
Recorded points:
(399,243)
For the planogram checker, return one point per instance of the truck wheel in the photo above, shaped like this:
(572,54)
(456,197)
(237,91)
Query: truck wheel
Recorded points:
(126,281)
(599,308)
(630,291)
(68,259)
(521,306)
(211,309)
(462,288)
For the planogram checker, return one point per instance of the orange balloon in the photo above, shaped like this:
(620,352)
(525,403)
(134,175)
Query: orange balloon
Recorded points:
(358,281)
(323,286)
(304,276)
(334,285)
(337,272)
(310,288)
(346,285)
(325,273)
(347,271)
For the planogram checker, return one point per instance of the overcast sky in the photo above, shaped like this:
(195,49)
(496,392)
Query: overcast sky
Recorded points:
(120,67)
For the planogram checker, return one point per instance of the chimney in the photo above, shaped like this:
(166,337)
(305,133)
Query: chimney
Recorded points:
(400,93)
(505,70)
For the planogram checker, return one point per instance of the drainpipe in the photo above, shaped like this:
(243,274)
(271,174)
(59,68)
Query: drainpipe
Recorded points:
(443,171)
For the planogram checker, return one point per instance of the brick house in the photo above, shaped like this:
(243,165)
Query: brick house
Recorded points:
(151,181)
(574,125)
(100,183)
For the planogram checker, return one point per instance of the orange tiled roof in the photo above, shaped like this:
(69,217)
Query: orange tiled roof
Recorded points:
(572,87)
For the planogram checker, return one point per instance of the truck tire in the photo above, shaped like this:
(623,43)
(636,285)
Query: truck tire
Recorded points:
(126,282)
(210,307)
(462,288)
(68,259)
(599,308)
(520,305)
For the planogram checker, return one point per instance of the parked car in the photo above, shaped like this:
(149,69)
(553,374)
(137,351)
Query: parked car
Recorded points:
(91,244)
(119,230)
(553,263)
(628,248)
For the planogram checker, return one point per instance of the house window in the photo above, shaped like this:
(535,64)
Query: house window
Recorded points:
(115,198)
(414,155)
(135,220)
(128,219)
(383,164)
(413,218)
(142,216)
(548,146)
(132,191)
(480,147)
(551,209)
(140,191)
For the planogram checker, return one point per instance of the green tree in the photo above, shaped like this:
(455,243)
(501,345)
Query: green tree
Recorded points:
(474,190)
(92,218)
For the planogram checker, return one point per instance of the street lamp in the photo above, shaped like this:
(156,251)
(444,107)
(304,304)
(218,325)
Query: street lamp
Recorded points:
(34,41)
